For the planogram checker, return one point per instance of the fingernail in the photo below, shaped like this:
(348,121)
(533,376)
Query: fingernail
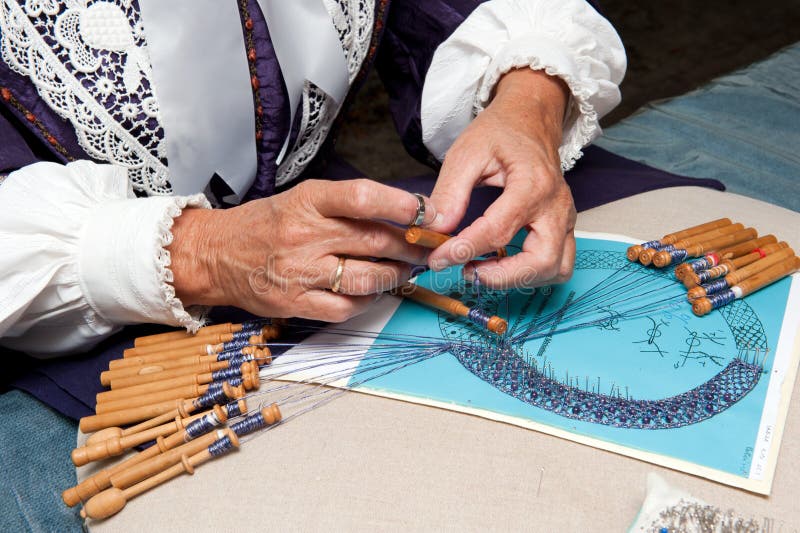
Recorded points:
(440,264)
(438,219)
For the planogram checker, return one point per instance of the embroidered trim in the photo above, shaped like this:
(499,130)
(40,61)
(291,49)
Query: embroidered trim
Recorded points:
(247,24)
(353,20)
(8,96)
(586,125)
(79,35)
(193,317)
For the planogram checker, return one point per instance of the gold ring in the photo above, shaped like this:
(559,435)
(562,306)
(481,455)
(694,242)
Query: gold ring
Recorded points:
(337,278)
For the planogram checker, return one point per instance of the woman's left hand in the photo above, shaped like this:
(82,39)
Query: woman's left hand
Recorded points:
(512,144)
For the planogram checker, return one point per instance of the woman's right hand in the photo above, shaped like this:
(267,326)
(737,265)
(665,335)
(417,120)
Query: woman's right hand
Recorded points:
(278,256)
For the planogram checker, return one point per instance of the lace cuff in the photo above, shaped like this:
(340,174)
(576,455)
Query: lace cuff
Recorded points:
(540,52)
(124,265)
(565,38)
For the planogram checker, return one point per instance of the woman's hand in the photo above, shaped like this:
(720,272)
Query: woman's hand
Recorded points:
(512,144)
(278,256)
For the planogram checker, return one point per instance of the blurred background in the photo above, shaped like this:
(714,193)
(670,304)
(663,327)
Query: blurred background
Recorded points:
(673,46)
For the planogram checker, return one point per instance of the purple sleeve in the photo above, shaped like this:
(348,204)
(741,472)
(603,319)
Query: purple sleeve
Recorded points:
(414,29)
(14,151)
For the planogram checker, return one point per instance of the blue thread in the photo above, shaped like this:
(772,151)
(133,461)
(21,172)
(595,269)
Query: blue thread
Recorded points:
(677,255)
(715,286)
(723,298)
(650,244)
(233,409)
(220,447)
(478,316)
(236,344)
(239,359)
(201,426)
(249,424)
(665,248)
(227,373)
(698,265)
(214,395)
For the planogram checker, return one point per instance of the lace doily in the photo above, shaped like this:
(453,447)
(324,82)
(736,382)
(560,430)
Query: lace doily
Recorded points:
(89,62)
(353,20)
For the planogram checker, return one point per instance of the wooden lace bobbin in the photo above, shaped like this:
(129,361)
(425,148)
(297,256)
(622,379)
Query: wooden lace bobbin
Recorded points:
(259,357)
(139,360)
(430,298)
(715,258)
(201,386)
(703,306)
(693,279)
(665,258)
(200,349)
(432,239)
(154,465)
(102,480)
(113,500)
(214,338)
(648,256)
(267,416)
(169,336)
(271,331)
(169,364)
(740,274)
(118,445)
(671,238)
(168,409)
(130,381)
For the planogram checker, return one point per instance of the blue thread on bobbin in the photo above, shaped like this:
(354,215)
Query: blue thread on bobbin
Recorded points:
(715,286)
(650,244)
(227,373)
(723,298)
(698,265)
(477,316)
(214,395)
(666,248)
(238,359)
(220,446)
(708,275)
(236,344)
(201,426)
(678,255)
(233,409)
(249,424)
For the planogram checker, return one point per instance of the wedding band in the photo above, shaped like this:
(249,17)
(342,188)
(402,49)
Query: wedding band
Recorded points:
(420,218)
(337,278)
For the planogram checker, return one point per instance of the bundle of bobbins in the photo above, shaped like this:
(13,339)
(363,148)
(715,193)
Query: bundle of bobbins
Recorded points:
(726,261)
(182,392)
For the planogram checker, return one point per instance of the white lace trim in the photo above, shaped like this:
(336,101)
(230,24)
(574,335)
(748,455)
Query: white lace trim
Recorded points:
(580,130)
(96,53)
(353,20)
(193,317)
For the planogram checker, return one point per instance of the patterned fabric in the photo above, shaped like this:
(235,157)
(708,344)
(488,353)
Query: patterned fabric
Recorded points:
(89,63)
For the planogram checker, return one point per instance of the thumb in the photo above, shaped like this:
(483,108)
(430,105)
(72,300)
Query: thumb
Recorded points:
(461,170)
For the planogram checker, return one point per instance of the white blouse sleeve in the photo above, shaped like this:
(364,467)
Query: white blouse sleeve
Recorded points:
(565,38)
(81,256)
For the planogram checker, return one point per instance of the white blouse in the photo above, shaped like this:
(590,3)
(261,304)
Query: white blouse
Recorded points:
(82,256)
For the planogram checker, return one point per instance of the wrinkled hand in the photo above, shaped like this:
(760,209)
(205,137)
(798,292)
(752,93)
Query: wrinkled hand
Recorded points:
(278,256)
(512,144)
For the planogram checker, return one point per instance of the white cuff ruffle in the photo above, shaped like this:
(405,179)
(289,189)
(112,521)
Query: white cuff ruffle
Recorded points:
(565,38)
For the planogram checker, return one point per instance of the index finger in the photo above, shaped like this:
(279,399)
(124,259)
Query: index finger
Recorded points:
(367,199)
(493,230)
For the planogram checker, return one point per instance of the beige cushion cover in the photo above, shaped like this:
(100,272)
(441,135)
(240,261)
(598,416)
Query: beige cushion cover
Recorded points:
(364,463)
